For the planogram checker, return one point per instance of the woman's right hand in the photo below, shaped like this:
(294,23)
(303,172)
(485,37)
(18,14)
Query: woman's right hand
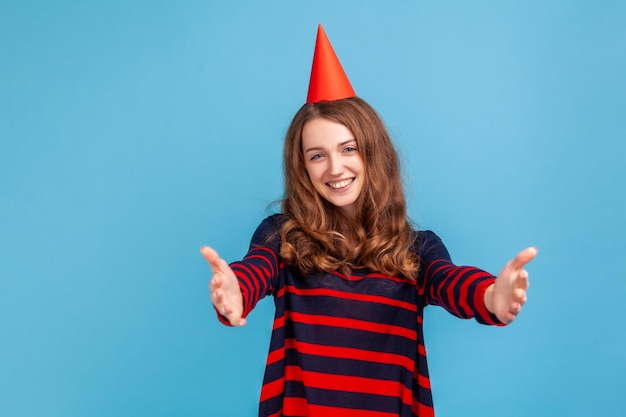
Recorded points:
(225,293)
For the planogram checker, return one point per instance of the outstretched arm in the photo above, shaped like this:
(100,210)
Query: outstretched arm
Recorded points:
(225,292)
(506,297)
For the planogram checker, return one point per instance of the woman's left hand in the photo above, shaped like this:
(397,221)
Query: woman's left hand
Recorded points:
(506,297)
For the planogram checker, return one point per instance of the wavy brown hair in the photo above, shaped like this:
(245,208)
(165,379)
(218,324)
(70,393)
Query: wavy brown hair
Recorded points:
(316,235)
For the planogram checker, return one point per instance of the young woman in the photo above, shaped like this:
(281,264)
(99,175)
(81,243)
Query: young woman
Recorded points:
(350,277)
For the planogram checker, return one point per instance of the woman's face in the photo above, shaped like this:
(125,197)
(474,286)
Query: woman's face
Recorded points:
(333,162)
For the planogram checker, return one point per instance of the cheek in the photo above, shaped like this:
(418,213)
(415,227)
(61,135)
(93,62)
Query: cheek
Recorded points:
(308,171)
(309,181)
(312,172)
(361,164)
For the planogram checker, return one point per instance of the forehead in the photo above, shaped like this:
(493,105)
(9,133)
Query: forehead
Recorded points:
(324,133)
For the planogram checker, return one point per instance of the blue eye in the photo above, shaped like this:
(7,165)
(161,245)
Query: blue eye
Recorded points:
(350,149)
(315,156)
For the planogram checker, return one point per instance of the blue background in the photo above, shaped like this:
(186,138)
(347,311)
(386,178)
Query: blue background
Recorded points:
(133,132)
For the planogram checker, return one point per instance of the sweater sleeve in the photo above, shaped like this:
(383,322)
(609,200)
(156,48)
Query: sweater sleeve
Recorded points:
(458,289)
(258,271)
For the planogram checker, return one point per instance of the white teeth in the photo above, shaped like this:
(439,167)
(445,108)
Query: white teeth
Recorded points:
(340,184)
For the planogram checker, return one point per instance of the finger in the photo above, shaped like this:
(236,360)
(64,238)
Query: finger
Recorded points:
(217,297)
(208,253)
(515,308)
(522,280)
(524,257)
(222,264)
(222,308)
(215,282)
(233,319)
(508,318)
(211,257)
(519,295)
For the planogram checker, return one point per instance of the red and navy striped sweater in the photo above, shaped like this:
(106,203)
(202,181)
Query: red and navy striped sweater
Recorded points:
(352,345)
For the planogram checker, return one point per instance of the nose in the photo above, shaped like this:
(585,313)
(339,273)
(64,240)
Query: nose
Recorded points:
(336,166)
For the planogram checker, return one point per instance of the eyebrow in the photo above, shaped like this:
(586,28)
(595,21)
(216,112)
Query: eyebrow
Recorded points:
(317,148)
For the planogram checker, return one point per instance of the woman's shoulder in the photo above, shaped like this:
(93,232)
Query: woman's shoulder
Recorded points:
(429,246)
(268,232)
(272,223)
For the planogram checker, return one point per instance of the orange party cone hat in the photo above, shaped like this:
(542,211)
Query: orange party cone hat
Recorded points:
(328,80)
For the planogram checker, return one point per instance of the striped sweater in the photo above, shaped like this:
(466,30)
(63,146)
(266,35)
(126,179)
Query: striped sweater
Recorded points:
(352,345)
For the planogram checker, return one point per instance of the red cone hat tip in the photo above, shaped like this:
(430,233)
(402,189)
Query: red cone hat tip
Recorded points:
(328,79)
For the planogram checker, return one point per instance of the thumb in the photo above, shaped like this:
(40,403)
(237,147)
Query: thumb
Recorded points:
(524,257)
(211,257)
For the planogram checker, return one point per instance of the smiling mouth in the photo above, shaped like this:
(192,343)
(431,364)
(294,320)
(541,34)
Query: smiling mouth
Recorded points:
(340,184)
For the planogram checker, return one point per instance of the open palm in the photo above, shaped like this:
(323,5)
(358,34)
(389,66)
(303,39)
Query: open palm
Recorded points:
(225,293)
(507,296)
